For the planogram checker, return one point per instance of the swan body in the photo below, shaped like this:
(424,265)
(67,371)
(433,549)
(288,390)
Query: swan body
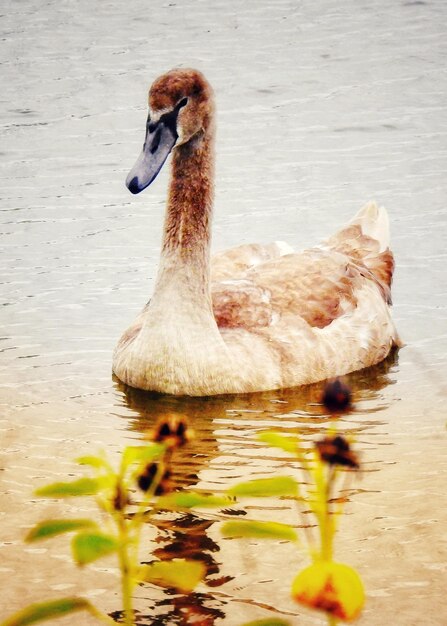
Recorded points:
(256,317)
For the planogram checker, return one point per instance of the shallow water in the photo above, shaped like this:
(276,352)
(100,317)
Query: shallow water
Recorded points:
(321,107)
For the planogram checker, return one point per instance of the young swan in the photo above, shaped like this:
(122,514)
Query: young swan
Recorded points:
(261,316)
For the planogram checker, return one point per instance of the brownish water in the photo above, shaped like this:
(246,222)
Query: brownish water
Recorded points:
(321,106)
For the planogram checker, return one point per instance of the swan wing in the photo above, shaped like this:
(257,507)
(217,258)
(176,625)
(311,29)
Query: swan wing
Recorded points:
(317,286)
(234,263)
(256,285)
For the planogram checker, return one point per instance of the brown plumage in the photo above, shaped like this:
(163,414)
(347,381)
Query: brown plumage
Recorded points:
(257,316)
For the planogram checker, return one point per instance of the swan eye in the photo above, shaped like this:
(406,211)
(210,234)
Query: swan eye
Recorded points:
(182,103)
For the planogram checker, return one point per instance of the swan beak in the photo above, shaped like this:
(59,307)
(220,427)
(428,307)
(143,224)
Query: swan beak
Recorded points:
(160,139)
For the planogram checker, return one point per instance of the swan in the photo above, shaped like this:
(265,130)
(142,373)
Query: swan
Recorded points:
(256,317)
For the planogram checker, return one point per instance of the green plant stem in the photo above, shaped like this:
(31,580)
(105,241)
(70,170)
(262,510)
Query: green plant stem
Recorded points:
(141,514)
(322,482)
(331,620)
(329,517)
(126,572)
(326,536)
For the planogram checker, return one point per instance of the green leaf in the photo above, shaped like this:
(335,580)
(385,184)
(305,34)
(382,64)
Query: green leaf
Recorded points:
(263,487)
(94,461)
(80,487)
(259,530)
(181,574)
(142,454)
(53,527)
(288,444)
(41,611)
(272,621)
(190,499)
(88,547)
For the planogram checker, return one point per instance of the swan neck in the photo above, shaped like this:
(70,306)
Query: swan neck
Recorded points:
(188,215)
(187,228)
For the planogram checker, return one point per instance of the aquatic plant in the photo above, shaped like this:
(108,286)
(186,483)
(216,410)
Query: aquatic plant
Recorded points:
(130,496)
(126,499)
(325,584)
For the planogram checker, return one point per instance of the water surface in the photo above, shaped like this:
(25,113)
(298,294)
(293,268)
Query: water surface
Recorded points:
(321,107)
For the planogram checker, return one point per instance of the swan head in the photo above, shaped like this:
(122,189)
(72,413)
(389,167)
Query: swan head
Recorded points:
(180,111)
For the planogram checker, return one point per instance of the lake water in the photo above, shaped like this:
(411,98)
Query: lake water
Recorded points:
(322,105)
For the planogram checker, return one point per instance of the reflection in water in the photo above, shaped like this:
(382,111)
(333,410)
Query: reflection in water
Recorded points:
(186,537)
(225,449)
(303,401)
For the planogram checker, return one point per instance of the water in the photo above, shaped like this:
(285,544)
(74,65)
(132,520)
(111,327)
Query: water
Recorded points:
(321,107)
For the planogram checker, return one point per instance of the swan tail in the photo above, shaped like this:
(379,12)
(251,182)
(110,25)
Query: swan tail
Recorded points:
(366,239)
(374,222)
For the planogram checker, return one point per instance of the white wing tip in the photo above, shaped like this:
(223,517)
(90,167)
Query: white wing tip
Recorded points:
(283,248)
(374,222)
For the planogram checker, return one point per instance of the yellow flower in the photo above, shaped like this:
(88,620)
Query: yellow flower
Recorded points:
(331,587)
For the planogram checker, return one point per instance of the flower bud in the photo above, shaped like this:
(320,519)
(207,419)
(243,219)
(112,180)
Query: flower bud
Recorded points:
(336,396)
(172,430)
(146,478)
(336,451)
(120,500)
